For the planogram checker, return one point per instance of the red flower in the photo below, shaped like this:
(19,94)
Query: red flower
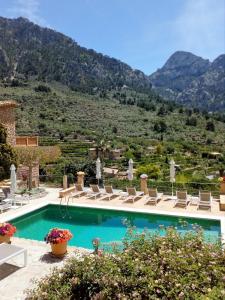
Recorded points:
(7,229)
(57,236)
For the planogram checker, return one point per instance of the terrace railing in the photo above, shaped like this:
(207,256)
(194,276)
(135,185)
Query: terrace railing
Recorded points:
(166,187)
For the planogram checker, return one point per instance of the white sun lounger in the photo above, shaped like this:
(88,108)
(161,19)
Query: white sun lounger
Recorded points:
(182,199)
(95,191)
(153,196)
(4,205)
(9,251)
(79,192)
(133,195)
(205,200)
(109,193)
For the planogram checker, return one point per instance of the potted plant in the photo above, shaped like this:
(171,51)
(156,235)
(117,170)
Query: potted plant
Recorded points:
(58,239)
(6,231)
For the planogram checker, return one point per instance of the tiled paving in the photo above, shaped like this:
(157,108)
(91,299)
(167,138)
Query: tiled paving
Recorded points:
(15,279)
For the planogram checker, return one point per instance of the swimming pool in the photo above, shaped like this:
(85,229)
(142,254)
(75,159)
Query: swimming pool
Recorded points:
(108,225)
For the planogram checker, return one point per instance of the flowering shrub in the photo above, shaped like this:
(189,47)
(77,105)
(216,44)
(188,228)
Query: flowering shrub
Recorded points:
(7,229)
(173,266)
(57,236)
(222,179)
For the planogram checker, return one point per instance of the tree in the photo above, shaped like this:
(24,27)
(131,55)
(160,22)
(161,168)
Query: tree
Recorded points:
(160,126)
(42,88)
(153,171)
(7,155)
(28,156)
(192,121)
(114,130)
(162,111)
(210,126)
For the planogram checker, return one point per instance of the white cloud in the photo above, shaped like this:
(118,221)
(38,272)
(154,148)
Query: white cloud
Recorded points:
(29,9)
(200,27)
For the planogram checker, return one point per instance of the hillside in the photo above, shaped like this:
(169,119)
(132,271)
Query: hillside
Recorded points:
(114,115)
(192,81)
(28,51)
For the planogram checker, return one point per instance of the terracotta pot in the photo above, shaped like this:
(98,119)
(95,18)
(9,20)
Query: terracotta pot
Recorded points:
(222,188)
(60,249)
(4,239)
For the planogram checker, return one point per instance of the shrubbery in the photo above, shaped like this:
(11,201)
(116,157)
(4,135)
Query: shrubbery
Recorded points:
(7,155)
(150,267)
(42,88)
(153,171)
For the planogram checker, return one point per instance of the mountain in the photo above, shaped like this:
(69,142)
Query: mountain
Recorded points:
(192,80)
(30,51)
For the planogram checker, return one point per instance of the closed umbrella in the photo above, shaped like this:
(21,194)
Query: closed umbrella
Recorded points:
(98,169)
(172,173)
(130,171)
(13,185)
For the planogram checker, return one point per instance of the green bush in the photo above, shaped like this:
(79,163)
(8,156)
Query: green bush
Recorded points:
(42,88)
(7,155)
(153,171)
(173,266)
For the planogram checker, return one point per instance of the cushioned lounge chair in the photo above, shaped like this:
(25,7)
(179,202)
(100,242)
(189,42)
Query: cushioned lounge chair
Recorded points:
(133,195)
(4,205)
(94,192)
(205,200)
(109,193)
(79,192)
(182,199)
(153,197)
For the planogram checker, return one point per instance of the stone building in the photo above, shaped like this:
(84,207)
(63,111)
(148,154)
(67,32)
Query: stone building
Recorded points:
(112,154)
(7,119)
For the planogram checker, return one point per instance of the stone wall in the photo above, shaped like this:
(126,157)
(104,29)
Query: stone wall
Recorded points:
(23,173)
(7,119)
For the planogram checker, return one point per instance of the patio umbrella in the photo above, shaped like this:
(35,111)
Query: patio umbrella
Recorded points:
(98,169)
(130,175)
(13,185)
(172,173)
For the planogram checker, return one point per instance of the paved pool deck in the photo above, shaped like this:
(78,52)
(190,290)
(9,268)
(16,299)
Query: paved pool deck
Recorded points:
(14,280)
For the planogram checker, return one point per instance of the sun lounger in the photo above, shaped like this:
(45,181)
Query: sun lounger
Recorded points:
(4,205)
(109,193)
(94,192)
(153,197)
(182,199)
(79,192)
(9,251)
(21,199)
(205,200)
(133,195)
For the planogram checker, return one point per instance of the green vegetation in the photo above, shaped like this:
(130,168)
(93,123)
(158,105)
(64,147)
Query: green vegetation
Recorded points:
(151,135)
(7,155)
(28,156)
(149,267)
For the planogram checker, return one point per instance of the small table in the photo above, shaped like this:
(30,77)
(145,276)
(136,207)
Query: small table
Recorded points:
(123,195)
(8,251)
(194,200)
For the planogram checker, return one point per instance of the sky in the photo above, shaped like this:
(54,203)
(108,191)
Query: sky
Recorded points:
(141,33)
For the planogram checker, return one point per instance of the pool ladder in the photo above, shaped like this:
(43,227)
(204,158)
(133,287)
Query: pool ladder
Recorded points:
(66,207)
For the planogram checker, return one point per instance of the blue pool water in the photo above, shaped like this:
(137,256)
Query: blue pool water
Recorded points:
(108,225)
